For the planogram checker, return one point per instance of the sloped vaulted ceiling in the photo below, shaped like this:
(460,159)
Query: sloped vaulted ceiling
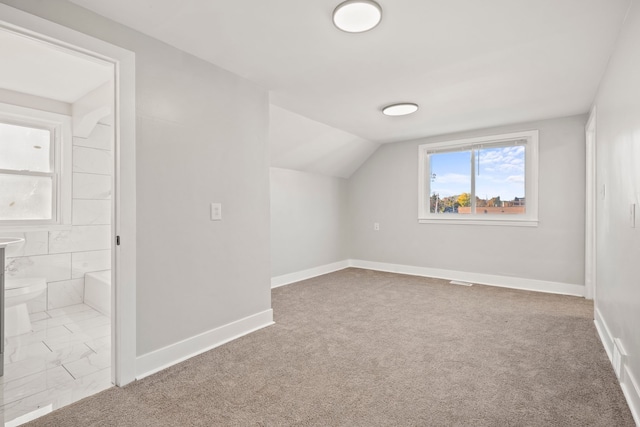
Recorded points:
(303,144)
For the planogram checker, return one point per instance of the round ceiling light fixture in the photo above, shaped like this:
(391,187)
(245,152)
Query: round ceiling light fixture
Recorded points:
(357,16)
(401,109)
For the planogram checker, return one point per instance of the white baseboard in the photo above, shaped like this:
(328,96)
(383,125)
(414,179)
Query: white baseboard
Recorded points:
(478,278)
(628,383)
(160,359)
(631,391)
(603,332)
(287,279)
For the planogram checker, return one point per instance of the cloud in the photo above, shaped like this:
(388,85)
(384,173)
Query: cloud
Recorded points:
(503,159)
(500,179)
(516,178)
(501,172)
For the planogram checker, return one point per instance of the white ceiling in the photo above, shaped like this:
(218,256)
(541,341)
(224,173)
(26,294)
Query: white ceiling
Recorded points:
(468,63)
(35,68)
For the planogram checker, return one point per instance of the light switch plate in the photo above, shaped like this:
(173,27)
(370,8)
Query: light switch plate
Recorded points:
(216,211)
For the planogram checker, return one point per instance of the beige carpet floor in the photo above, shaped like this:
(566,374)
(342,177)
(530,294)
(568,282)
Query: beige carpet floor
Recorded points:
(364,348)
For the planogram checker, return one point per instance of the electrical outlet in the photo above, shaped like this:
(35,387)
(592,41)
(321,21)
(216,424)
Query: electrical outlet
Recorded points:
(376,226)
(216,211)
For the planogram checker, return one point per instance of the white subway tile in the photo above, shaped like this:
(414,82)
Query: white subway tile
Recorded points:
(80,238)
(34,365)
(69,311)
(50,322)
(86,262)
(37,304)
(89,186)
(22,351)
(35,317)
(35,243)
(33,337)
(62,294)
(80,337)
(89,160)
(88,365)
(101,138)
(85,324)
(52,267)
(27,386)
(87,212)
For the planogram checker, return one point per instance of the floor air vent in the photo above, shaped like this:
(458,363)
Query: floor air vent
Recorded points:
(457,282)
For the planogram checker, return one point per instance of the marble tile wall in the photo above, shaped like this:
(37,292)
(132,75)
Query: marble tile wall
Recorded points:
(63,257)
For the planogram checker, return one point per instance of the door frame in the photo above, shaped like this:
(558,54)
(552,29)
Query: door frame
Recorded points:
(123,320)
(590,260)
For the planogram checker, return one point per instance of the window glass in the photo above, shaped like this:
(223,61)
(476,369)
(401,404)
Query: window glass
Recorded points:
(500,180)
(25,148)
(24,197)
(450,177)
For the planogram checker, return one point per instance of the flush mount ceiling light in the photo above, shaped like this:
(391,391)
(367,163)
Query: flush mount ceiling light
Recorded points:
(400,109)
(357,16)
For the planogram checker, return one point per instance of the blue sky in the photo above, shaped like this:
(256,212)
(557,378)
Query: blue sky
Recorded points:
(500,172)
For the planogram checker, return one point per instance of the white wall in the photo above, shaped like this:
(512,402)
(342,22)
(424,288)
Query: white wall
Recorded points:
(201,137)
(308,221)
(385,190)
(618,170)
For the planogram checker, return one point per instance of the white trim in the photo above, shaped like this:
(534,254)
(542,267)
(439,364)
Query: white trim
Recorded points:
(124,200)
(590,274)
(297,276)
(124,256)
(492,221)
(478,278)
(170,355)
(603,332)
(628,382)
(631,392)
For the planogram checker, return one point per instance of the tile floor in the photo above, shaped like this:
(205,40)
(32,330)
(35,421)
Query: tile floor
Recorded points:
(65,358)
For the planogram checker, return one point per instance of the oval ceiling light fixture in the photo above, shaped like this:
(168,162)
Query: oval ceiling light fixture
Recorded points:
(357,16)
(401,109)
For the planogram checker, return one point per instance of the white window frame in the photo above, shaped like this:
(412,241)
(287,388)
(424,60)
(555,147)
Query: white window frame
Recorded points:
(528,219)
(61,150)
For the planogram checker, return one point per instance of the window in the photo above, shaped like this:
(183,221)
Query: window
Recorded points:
(34,188)
(487,180)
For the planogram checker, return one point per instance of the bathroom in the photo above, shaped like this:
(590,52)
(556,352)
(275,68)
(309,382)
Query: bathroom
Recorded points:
(56,185)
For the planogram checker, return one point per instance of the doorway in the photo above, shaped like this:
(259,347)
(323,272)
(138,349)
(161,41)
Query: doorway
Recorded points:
(121,128)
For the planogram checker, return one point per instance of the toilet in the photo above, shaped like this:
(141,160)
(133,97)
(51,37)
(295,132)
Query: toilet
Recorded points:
(16,294)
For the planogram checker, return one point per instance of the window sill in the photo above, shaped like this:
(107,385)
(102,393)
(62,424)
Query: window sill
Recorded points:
(473,221)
